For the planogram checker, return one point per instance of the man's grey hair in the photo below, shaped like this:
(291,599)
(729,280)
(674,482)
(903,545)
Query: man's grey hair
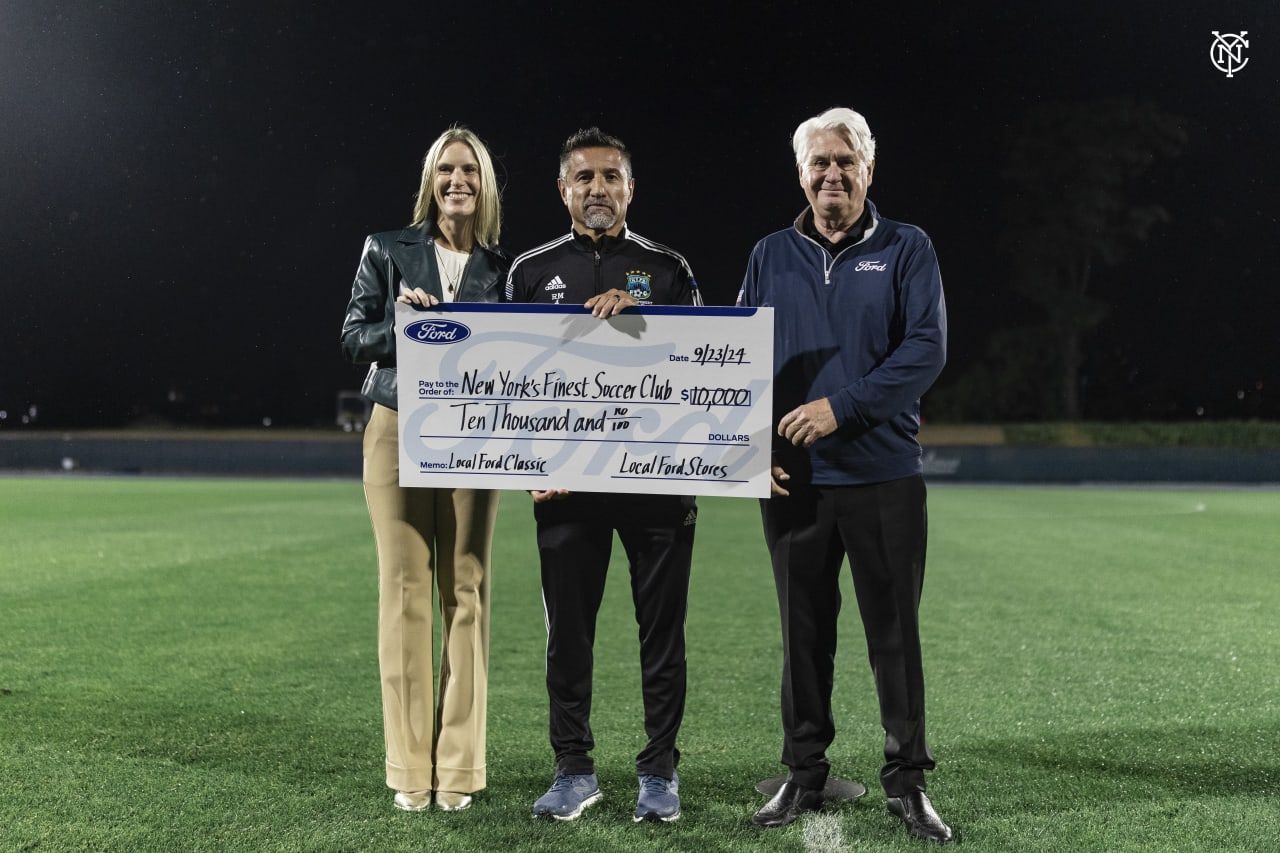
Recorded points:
(844,121)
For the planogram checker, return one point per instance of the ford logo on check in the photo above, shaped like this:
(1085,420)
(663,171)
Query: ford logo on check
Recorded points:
(437,331)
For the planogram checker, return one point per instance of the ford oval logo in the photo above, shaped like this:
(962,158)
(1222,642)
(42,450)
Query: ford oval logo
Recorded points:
(437,331)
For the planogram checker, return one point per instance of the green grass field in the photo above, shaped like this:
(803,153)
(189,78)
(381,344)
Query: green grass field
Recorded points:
(189,665)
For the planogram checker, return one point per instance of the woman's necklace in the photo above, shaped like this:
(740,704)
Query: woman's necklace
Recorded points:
(452,265)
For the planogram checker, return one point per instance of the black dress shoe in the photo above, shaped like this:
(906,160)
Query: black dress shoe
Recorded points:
(917,813)
(792,799)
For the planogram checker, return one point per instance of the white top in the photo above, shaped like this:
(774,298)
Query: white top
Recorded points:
(452,264)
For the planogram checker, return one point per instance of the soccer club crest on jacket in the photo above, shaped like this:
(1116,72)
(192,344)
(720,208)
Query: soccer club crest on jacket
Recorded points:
(638,285)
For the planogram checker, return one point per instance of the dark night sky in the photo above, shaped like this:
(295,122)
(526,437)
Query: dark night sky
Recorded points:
(185,188)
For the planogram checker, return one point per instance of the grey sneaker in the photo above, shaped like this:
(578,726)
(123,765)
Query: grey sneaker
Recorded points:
(659,798)
(568,797)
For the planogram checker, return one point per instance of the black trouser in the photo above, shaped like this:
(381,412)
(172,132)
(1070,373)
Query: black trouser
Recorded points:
(575,537)
(882,528)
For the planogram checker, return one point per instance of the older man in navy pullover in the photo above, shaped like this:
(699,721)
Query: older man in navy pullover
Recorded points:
(860,334)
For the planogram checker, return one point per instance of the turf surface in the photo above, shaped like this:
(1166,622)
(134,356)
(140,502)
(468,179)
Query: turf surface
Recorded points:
(189,665)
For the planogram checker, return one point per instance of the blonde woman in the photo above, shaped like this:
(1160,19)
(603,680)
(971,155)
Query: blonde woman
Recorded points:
(429,539)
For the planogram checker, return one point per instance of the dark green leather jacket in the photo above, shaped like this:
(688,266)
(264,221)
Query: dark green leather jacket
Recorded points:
(392,259)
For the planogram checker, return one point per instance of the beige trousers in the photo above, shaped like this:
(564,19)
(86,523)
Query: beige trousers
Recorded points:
(429,538)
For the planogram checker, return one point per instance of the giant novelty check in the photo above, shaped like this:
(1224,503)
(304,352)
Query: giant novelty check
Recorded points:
(659,400)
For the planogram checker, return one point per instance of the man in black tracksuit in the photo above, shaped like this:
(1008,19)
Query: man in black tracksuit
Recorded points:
(606,267)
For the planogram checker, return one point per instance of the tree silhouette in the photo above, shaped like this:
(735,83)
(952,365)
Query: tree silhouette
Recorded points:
(1072,174)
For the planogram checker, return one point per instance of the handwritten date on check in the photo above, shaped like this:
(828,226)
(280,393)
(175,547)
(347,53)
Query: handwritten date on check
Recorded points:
(655,400)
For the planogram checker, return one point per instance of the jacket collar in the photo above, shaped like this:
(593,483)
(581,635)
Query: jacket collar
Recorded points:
(417,262)
(606,244)
(868,221)
(417,266)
